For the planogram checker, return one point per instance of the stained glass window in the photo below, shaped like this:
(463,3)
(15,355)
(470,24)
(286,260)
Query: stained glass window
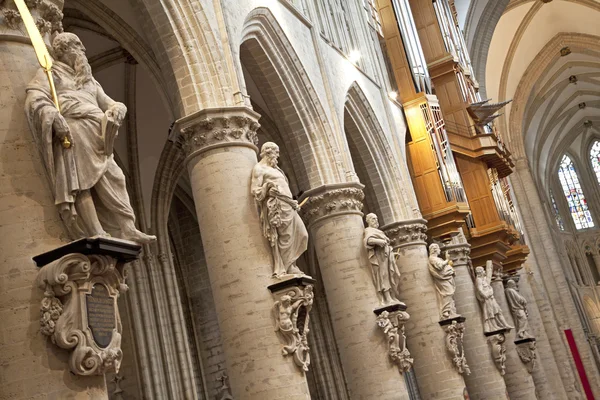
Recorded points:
(557,216)
(574,194)
(595,158)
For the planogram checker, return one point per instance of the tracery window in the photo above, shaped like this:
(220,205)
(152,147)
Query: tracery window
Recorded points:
(370,7)
(569,180)
(595,158)
(557,216)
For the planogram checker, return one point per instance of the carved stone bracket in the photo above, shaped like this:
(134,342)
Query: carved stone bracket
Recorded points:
(497,340)
(46,13)
(391,319)
(216,127)
(293,301)
(79,310)
(407,233)
(455,330)
(526,349)
(330,200)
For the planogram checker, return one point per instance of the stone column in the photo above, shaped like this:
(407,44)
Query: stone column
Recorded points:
(485,380)
(220,145)
(336,228)
(426,338)
(519,382)
(29,224)
(596,258)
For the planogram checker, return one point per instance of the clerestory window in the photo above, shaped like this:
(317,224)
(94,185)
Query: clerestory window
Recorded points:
(557,216)
(595,159)
(569,180)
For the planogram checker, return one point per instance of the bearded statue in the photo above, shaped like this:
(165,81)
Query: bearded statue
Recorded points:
(76,145)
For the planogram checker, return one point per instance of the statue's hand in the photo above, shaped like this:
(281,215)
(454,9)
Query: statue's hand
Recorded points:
(117,111)
(61,128)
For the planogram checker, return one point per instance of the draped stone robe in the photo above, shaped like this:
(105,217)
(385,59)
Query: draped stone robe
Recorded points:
(84,165)
(385,271)
(443,278)
(518,308)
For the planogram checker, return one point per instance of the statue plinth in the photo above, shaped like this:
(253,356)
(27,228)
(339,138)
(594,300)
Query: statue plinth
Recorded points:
(82,281)
(526,349)
(496,339)
(394,307)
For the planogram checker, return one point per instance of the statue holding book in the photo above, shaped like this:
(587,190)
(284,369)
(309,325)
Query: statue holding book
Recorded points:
(76,144)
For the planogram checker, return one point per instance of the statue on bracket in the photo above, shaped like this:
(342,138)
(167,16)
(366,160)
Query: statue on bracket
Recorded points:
(493,319)
(279,217)
(386,275)
(76,144)
(443,277)
(518,309)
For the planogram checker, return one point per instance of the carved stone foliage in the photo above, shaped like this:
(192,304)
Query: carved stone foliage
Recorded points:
(392,325)
(526,349)
(454,343)
(407,232)
(498,348)
(79,310)
(291,312)
(331,200)
(223,391)
(47,15)
(217,128)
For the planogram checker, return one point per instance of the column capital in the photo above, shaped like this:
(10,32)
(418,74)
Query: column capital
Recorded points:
(458,249)
(407,233)
(47,15)
(216,127)
(331,200)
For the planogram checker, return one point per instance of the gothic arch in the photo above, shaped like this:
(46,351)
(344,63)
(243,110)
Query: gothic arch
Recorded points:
(593,313)
(369,146)
(273,64)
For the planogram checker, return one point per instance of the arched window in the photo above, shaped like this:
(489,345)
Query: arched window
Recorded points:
(557,217)
(595,158)
(574,194)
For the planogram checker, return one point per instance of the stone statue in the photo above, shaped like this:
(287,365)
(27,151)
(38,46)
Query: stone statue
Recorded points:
(76,146)
(518,309)
(443,278)
(493,319)
(279,217)
(386,275)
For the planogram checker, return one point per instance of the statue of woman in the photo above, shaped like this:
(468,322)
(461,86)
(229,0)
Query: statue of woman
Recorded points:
(443,277)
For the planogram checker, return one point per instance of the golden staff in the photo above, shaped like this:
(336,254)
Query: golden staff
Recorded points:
(41,52)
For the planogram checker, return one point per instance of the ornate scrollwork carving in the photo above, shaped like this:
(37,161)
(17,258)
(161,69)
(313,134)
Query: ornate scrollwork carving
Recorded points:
(454,343)
(498,348)
(68,285)
(392,324)
(332,201)
(527,353)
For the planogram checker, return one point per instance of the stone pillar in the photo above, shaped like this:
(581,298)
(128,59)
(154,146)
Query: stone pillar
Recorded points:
(426,338)
(220,145)
(596,258)
(519,382)
(29,224)
(485,380)
(336,228)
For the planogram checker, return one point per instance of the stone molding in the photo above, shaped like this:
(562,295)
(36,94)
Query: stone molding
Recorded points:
(332,200)
(66,283)
(47,15)
(216,127)
(407,233)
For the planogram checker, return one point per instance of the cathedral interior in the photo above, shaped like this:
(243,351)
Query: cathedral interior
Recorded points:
(300,199)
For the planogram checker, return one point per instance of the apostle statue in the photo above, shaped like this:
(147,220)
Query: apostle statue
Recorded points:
(279,217)
(76,145)
(386,275)
(518,308)
(443,278)
(493,319)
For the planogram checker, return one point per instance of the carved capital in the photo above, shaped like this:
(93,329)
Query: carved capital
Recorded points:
(47,15)
(331,200)
(392,324)
(458,249)
(454,343)
(216,127)
(407,233)
(498,348)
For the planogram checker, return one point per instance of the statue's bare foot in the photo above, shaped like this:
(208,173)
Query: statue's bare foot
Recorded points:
(138,236)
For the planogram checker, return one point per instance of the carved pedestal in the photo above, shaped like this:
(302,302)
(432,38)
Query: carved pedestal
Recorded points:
(293,301)
(391,320)
(455,330)
(497,340)
(526,351)
(81,283)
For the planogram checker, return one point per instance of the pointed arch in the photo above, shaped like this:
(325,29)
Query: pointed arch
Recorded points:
(273,64)
(372,158)
(593,313)
(593,155)
(573,192)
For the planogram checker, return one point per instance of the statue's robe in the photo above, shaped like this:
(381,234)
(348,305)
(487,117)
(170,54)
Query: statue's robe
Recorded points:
(386,275)
(493,319)
(84,165)
(518,308)
(443,278)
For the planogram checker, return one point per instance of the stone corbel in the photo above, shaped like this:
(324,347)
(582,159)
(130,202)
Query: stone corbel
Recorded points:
(391,319)
(455,330)
(497,340)
(291,313)
(81,283)
(526,349)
